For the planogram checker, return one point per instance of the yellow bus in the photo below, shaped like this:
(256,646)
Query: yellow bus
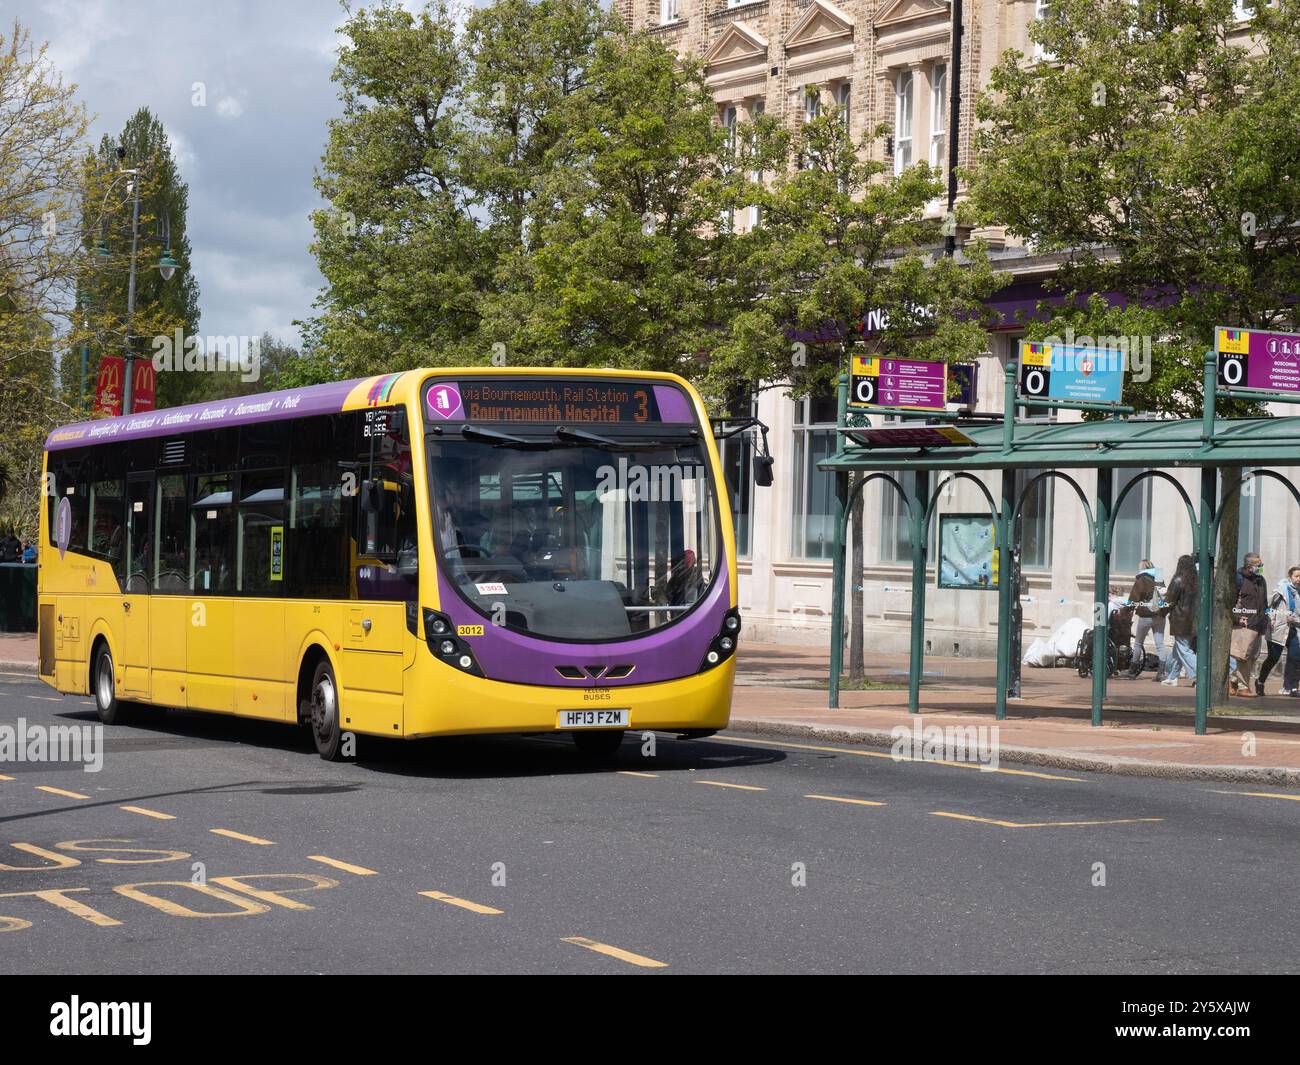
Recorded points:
(427,553)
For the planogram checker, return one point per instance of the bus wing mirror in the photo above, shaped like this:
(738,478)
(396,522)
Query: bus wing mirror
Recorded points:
(408,563)
(763,471)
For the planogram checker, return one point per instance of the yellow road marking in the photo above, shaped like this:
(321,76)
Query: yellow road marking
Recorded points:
(838,798)
(891,758)
(464,904)
(239,835)
(631,773)
(3,777)
(360,870)
(1260,794)
(738,787)
(1044,824)
(60,791)
(615,952)
(147,813)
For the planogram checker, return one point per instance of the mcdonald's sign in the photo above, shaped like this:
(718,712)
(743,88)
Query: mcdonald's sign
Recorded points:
(144,385)
(108,386)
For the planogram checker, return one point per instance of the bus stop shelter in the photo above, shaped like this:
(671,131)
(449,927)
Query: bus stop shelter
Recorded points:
(1207,444)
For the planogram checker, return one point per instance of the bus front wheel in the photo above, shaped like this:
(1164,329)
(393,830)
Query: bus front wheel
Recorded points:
(112,711)
(323,713)
(602,744)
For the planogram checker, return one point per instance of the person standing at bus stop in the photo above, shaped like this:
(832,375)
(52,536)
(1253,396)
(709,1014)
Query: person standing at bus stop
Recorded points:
(1145,597)
(1250,622)
(1180,609)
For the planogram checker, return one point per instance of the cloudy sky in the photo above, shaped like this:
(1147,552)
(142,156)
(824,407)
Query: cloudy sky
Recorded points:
(248,155)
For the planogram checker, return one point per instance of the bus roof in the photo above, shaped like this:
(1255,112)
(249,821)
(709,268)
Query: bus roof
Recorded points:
(310,400)
(220,413)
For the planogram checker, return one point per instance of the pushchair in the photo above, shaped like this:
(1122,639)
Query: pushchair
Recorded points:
(1119,647)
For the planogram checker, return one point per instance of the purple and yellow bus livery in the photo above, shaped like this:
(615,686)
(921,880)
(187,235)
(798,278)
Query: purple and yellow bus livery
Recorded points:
(418,554)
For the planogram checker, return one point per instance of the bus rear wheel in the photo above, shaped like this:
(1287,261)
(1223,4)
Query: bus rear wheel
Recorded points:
(103,683)
(323,713)
(602,744)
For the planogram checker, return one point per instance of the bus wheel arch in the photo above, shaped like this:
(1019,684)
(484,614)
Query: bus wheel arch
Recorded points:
(318,702)
(101,682)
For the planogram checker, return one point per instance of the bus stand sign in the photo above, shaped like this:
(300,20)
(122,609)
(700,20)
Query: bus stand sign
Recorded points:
(1252,358)
(911,384)
(1071,373)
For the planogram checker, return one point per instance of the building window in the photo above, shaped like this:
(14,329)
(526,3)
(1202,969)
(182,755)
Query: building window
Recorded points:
(667,12)
(895,526)
(814,490)
(1036,521)
(1131,542)
(812,102)
(903,122)
(844,102)
(756,109)
(1042,12)
(939,116)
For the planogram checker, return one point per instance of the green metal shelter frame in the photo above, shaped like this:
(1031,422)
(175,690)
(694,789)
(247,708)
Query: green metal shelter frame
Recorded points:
(1207,444)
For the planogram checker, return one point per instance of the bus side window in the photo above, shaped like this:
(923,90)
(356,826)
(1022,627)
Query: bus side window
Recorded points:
(212,534)
(106,510)
(67,482)
(320,495)
(171,535)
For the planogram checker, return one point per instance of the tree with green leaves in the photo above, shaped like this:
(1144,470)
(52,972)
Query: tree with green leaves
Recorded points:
(42,130)
(538,189)
(841,235)
(161,306)
(623,262)
(1156,151)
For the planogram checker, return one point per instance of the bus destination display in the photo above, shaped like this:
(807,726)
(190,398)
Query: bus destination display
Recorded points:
(559,401)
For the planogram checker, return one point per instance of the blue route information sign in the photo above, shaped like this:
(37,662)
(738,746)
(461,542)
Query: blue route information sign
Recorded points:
(1071,372)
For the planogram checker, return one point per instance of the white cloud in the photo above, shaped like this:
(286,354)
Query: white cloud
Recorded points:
(229,107)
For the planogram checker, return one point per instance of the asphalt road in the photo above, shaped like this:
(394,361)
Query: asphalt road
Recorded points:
(733,854)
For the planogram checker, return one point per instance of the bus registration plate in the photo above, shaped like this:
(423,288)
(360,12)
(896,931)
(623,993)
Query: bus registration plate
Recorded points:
(594,718)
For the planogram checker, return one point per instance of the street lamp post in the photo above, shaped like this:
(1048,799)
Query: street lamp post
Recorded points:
(127,397)
(167,266)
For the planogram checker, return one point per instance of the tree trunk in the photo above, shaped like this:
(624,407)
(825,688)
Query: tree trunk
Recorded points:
(1225,587)
(857,664)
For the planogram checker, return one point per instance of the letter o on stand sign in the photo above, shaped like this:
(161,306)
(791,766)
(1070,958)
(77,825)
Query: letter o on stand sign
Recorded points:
(864,389)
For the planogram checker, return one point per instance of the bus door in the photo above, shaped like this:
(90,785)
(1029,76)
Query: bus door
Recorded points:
(139,573)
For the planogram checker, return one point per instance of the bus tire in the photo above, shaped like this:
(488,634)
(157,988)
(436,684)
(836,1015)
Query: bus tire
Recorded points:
(103,686)
(599,744)
(323,712)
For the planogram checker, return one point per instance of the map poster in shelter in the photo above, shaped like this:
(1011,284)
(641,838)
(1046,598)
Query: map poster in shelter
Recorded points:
(968,556)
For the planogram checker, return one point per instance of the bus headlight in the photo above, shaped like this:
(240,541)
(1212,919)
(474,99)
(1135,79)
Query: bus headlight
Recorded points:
(440,635)
(724,644)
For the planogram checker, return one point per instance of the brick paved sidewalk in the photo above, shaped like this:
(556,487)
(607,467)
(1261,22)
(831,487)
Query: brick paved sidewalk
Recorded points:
(1148,728)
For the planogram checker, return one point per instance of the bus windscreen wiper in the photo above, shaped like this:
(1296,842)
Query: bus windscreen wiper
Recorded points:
(582,436)
(491,436)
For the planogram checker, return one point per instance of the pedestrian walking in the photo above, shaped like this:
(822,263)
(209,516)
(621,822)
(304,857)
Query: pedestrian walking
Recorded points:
(1250,623)
(1180,613)
(1284,634)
